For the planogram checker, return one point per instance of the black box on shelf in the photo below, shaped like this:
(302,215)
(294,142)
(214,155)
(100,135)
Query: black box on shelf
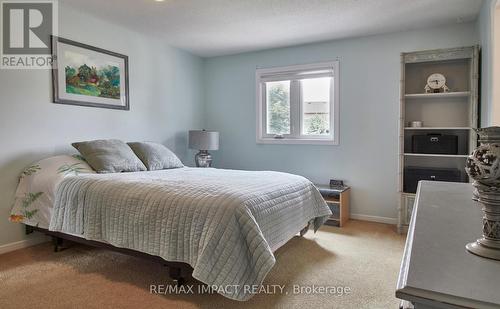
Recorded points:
(412,175)
(434,143)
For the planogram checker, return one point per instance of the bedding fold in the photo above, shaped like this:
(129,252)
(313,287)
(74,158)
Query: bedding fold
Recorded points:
(224,223)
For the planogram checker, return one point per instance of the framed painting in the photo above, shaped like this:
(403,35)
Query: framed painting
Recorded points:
(89,76)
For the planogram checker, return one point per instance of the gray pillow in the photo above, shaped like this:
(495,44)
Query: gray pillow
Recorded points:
(155,156)
(109,156)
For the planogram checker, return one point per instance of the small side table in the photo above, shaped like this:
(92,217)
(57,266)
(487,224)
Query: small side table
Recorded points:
(338,200)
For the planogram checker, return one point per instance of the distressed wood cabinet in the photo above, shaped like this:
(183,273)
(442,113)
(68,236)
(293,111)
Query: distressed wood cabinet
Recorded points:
(437,271)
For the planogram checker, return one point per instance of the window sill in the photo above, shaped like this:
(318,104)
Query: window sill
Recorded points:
(296,141)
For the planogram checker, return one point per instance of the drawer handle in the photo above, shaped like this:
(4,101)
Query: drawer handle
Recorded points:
(433,177)
(434,139)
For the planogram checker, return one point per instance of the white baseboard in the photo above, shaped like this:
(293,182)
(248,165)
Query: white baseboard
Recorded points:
(33,240)
(378,219)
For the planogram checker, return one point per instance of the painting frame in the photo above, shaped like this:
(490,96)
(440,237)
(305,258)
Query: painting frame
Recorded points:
(86,100)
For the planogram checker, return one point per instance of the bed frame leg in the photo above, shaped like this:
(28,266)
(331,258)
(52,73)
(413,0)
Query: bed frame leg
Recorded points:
(304,230)
(58,242)
(29,229)
(176,275)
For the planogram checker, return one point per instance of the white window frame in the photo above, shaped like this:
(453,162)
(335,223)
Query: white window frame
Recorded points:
(296,137)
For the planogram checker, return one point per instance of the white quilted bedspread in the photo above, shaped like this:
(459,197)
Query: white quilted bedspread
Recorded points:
(224,223)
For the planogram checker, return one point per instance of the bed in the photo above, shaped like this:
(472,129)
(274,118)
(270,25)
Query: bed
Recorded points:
(224,224)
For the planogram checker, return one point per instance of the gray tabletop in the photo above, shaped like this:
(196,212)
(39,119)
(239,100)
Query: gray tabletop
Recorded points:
(437,263)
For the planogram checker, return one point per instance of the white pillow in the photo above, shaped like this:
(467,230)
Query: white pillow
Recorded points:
(35,193)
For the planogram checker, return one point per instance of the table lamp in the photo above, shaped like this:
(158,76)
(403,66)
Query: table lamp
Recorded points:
(203,141)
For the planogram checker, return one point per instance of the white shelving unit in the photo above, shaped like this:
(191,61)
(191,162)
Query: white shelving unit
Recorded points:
(454,112)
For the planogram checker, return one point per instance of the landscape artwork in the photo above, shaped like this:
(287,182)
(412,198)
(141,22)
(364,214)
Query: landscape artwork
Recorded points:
(92,79)
(89,76)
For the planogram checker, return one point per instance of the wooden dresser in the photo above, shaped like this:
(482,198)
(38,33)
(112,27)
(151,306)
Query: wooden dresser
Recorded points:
(437,271)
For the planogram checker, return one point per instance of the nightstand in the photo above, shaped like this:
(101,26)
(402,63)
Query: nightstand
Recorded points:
(338,200)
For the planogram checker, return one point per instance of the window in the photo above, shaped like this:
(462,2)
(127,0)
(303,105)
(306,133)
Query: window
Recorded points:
(298,104)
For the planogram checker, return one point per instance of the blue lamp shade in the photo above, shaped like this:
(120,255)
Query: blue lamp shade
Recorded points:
(203,140)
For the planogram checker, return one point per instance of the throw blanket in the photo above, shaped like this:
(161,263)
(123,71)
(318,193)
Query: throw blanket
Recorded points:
(224,223)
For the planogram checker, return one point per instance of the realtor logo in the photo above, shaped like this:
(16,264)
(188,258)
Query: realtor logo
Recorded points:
(26,30)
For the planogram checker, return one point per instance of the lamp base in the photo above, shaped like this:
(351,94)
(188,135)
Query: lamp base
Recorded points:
(203,159)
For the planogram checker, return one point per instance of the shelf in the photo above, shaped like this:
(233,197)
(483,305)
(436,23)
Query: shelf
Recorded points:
(434,155)
(332,200)
(409,194)
(462,94)
(438,128)
(332,222)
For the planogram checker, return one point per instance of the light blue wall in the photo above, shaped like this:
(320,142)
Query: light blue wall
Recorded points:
(369,106)
(485,34)
(166,94)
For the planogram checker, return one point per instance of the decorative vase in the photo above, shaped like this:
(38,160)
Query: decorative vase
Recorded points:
(484,167)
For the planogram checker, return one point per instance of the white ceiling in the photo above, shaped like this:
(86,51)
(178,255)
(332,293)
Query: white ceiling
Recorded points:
(220,27)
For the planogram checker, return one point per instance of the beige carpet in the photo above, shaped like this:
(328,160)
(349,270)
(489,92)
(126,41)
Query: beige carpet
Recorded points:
(362,256)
